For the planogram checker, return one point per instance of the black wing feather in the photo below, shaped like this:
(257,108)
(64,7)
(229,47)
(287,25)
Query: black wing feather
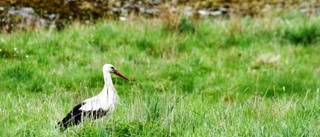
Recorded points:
(76,116)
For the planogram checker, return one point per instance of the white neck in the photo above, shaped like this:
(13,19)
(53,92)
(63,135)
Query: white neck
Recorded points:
(108,91)
(107,80)
(108,85)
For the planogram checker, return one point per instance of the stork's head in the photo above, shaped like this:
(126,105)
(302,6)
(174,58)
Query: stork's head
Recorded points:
(109,68)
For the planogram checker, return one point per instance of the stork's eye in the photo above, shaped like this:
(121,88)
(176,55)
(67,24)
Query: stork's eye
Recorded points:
(112,68)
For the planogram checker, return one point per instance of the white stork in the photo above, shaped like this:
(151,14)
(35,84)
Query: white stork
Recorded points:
(97,106)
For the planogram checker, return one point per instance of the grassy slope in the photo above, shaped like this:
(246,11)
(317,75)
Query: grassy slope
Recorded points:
(210,82)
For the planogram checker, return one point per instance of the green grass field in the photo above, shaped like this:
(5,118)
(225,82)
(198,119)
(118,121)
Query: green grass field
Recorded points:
(223,77)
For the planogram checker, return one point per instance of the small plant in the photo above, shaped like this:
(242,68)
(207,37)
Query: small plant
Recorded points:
(186,25)
(174,22)
(304,35)
(15,53)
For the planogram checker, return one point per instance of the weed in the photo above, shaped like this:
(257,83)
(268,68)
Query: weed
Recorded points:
(303,35)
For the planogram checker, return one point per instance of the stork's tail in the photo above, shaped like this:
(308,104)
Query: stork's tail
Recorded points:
(61,125)
(74,117)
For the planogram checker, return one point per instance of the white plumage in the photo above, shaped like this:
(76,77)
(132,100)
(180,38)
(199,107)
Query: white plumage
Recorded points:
(104,101)
(97,106)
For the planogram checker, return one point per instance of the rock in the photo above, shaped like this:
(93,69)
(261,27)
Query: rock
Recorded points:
(268,59)
(216,13)
(203,12)
(122,18)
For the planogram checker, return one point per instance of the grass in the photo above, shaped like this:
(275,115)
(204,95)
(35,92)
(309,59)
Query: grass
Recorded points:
(235,77)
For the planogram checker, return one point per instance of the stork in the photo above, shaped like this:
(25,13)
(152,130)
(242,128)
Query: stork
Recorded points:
(96,106)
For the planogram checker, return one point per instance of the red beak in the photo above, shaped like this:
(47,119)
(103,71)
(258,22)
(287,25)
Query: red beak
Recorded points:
(120,75)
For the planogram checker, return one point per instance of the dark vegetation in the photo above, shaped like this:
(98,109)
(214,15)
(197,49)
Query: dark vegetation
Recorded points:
(21,14)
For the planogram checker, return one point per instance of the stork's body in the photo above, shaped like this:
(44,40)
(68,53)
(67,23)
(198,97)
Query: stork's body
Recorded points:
(97,106)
